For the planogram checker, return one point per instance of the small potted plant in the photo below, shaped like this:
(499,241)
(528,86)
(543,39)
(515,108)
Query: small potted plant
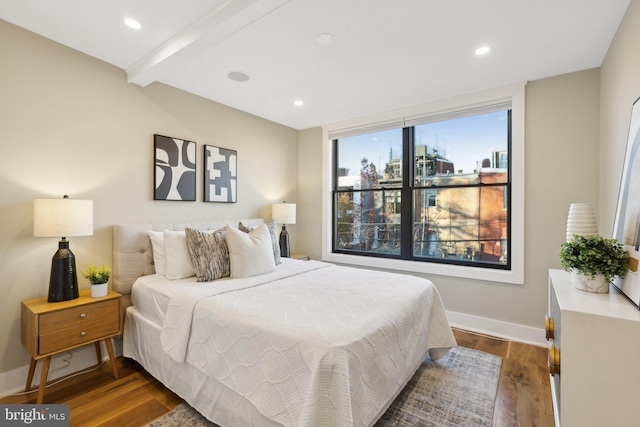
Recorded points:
(594,261)
(99,279)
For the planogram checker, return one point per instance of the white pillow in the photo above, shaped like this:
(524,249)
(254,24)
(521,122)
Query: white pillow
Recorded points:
(250,253)
(157,245)
(176,255)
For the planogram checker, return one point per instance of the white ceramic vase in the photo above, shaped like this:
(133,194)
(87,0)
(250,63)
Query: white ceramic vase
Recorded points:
(581,220)
(100,290)
(597,285)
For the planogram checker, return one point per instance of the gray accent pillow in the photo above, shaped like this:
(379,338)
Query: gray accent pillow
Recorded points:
(244,228)
(209,254)
(275,239)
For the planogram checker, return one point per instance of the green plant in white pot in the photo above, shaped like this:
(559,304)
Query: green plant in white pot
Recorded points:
(99,279)
(594,261)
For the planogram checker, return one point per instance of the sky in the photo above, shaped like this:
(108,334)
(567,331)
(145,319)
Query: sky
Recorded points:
(465,141)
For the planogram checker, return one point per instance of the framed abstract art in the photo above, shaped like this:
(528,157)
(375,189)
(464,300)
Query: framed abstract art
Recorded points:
(175,169)
(626,228)
(220,174)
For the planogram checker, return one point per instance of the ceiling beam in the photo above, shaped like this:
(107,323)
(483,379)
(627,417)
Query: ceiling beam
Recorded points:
(226,19)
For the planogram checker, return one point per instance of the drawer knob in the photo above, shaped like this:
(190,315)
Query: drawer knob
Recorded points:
(549,327)
(82,315)
(83,333)
(554,360)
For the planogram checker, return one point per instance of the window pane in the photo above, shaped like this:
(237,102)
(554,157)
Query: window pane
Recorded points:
(370,161)
(467,224)
(454,152)
(368,221)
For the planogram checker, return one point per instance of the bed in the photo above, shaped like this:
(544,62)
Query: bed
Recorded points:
(306,343)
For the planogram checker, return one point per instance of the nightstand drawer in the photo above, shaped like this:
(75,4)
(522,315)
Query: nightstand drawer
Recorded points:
(78,334)
(79,317)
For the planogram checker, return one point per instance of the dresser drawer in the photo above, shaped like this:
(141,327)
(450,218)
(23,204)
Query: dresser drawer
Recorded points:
(79,316)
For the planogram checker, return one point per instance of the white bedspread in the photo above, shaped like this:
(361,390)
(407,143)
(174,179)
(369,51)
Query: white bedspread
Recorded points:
(179,314)
(310,343)
(152,294)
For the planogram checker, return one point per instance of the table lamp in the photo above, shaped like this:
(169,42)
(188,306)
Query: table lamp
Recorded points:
(284,213)
(62,218)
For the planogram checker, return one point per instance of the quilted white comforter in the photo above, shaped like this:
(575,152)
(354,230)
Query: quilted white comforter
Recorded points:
(311,343)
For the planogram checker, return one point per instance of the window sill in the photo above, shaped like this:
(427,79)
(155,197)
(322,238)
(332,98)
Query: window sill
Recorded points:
(512,276)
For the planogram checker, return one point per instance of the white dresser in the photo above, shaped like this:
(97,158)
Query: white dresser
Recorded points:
(594,343)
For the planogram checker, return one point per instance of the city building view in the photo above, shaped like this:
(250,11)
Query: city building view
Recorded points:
(456,214)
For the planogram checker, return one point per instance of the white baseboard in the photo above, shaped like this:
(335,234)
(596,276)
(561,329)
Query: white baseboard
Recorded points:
(62,364)
(498,328)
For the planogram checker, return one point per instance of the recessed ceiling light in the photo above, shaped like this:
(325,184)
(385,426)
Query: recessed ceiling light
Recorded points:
(132,23)
(298,103)
(238,76)
(324,39)
(483,50)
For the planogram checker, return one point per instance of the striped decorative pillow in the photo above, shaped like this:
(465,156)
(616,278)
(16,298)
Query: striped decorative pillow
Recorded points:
(209,254)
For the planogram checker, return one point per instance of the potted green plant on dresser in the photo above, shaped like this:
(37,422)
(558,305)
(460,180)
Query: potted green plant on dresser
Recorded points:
(593,261)
(99,279)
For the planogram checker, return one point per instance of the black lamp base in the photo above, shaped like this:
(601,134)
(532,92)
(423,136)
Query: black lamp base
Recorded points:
(284,242)
(63,284)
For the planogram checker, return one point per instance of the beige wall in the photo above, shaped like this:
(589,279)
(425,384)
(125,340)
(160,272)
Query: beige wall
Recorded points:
(310,192)
(71,124)
(561,167)
(619,88)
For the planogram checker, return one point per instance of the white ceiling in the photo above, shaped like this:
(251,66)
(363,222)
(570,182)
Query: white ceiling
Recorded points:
(385,54)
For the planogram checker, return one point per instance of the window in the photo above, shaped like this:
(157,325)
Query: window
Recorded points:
(368,206)
(431,198)
(455,183)
(433,189)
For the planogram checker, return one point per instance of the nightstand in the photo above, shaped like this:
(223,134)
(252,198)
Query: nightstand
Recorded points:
(49,328)
(300,257)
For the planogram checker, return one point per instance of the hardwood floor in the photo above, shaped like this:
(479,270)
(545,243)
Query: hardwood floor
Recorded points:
(136,398)
(524,391)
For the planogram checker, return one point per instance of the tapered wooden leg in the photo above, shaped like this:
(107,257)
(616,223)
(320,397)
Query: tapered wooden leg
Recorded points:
(98,352)
(32,369)
(112,358)
(43,378)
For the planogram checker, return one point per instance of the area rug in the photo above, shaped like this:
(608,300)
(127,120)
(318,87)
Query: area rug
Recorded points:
(457,390)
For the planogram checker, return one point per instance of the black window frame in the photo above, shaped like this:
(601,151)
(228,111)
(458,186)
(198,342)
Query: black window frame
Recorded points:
(407,205)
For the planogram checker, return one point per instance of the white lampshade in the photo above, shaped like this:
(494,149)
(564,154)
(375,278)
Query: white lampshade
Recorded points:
(62,217)
(284,213)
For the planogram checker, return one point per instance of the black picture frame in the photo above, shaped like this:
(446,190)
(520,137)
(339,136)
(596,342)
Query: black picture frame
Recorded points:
(174,175)
(220,182)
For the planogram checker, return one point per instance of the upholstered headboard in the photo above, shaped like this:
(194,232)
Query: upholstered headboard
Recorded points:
(132,253)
